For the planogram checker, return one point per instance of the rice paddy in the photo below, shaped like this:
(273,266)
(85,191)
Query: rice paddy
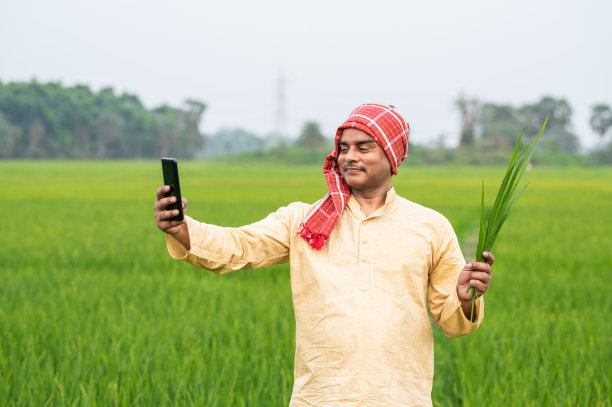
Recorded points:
(94,312)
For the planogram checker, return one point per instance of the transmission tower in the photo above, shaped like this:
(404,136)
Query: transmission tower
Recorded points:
(280,104)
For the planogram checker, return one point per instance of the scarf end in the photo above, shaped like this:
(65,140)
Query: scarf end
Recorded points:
(316,240)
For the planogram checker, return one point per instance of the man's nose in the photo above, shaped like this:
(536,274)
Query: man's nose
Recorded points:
(351,154)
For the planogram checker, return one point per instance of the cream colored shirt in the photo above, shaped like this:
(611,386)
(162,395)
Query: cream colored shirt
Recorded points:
(363,336)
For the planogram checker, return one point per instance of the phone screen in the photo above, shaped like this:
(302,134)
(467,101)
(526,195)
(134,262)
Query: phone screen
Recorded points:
(171,177)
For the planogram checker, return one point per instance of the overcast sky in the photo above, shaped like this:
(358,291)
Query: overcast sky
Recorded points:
(416,55)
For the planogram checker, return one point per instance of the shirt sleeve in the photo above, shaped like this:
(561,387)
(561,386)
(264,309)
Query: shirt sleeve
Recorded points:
(444,304)
(223,249)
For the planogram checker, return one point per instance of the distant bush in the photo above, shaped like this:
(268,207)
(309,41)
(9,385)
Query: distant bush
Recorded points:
(280,155)
(421,155)
(602,157)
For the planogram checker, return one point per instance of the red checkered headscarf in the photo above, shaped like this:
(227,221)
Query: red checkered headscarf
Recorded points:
(390,131)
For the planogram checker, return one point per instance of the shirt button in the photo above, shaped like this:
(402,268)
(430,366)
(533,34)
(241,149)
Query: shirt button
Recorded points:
(364,260)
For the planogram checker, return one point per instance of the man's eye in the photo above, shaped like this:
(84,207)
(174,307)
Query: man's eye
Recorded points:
(343,150)
(364,148)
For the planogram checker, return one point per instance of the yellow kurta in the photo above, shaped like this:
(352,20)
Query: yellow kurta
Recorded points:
(363,336)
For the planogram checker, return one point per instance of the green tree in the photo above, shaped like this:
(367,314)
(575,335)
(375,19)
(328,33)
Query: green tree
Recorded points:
(168,131)
(601,119)
(108,129)
(500,126)
(311,137)
(42,120)
(558,136)
(23,105)
(233,141)
(9,135)
(36,132)
(82,120)
(136,125)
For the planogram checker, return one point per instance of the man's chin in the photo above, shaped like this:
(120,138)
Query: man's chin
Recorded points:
(355,180)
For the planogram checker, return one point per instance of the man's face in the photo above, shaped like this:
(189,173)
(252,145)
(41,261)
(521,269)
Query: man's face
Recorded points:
(362,162)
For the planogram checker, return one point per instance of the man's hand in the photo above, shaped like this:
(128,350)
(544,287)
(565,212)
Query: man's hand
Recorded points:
(477,275)
(176,228)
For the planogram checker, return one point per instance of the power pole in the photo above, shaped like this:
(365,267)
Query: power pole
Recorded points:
(280,104)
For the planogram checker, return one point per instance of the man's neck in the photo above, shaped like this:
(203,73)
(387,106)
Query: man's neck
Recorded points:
(372,199)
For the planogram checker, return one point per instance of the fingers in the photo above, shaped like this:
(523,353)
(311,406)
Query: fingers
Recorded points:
(167,215)
(480,287)
(478,266)
(161,191)
(488,257)
(480,280)
(163,203)
(164,220)
(480,276)
(163,217)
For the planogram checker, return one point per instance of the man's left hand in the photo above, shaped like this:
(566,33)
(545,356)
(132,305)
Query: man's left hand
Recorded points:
(477,275)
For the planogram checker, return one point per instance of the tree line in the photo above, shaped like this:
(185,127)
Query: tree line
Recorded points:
(48,120)
(495,127)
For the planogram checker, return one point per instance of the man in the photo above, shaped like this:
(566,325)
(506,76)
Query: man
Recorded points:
(365,265)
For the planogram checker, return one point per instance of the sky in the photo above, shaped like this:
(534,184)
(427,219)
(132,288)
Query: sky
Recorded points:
(333,55)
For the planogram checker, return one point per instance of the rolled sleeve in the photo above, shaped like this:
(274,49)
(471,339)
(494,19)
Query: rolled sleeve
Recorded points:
(454,322)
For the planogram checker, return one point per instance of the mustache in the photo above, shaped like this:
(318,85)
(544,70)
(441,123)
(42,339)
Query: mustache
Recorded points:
(353,167)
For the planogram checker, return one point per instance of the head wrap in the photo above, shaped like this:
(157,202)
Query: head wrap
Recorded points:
(390,131)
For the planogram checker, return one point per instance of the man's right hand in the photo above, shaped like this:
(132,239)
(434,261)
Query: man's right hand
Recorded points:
(176,228)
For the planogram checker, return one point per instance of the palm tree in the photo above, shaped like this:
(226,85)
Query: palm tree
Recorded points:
(469,109)
(192,117)
(601,119)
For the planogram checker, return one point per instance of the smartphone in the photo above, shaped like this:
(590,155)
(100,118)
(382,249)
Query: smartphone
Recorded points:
(171,177)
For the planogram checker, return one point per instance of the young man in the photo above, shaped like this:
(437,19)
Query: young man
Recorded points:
(365,265)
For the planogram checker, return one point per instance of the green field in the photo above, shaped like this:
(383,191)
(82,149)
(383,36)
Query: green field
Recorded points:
(93,311)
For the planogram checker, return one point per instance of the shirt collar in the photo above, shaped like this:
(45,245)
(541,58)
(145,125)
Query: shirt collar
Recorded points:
(355,209)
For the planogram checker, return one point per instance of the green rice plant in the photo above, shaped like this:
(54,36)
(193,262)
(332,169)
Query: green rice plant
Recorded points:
(94,312)
(508,194)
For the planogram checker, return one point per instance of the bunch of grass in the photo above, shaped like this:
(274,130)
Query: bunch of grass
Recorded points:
(494,217)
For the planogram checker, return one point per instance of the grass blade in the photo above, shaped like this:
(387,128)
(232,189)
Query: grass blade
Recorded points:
(507,195)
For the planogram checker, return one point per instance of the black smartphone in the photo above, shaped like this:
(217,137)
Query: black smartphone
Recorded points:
(171,177)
